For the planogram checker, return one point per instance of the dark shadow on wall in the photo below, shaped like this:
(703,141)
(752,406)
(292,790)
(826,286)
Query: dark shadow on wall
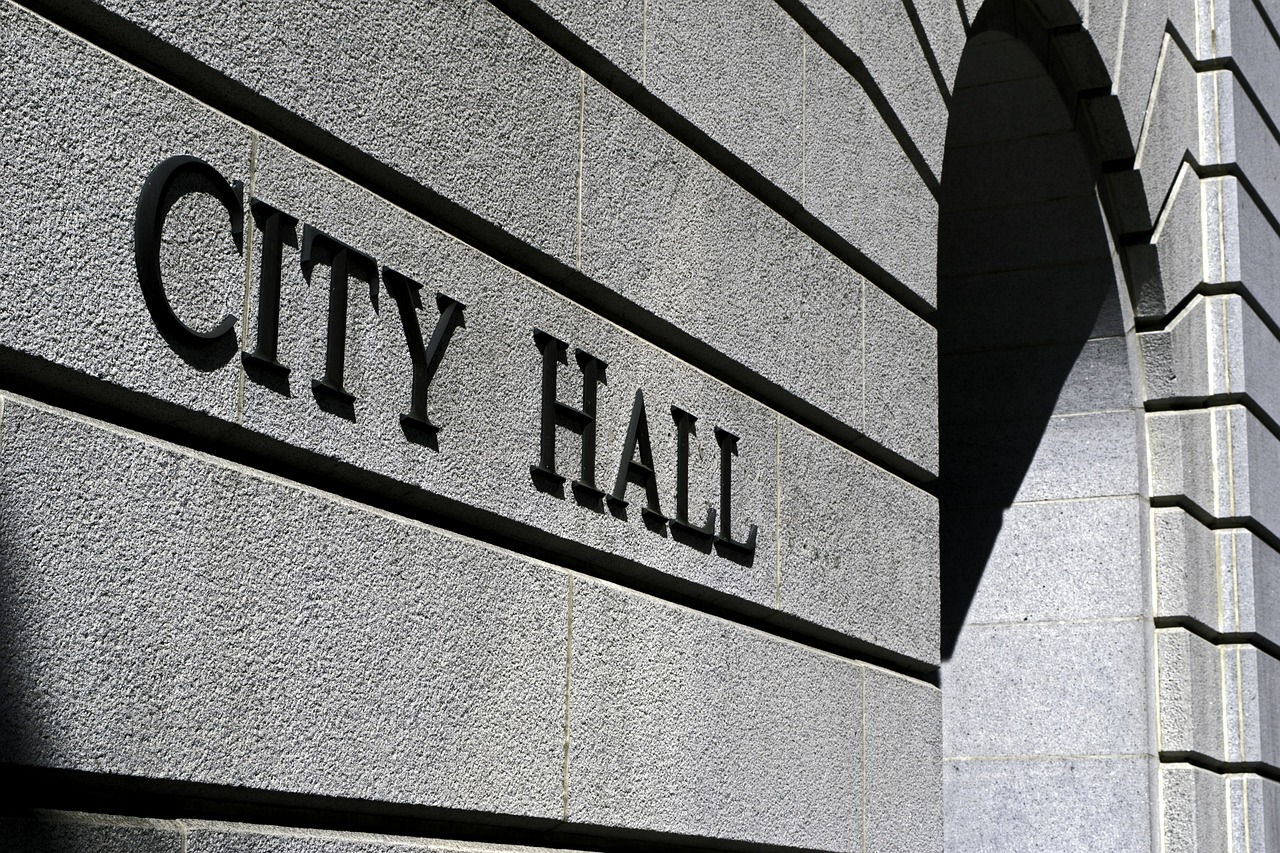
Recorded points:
(1025,280)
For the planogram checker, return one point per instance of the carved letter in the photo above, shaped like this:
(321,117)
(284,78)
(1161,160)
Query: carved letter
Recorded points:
(148,229)
(728,448)
(342,260)
(685,427)
(556,413)
(406,292)
(641,473)
(277,227)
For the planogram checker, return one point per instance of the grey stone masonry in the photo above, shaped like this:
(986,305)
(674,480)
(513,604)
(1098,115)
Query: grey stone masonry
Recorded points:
(1226,580)
(1209,813)
(1220,702)
(1214,461)
(486,393)
(195,620)
(1216,347)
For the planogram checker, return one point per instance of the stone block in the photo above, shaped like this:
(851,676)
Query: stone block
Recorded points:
(1050,560)
(1216,346)
(1250,573)
(1250,246)
(828,570)
(1189,673)
(903,765)
(616,28)
(1184,242)
(189,620)
(666,230)
(1213,232)
(1255,810)
(1137,36)
(1188,565)
(1047,689)
(735,69)
(1017,804)
(1172,127)
(1218,701)
(1252,678)
(1019,107)
(489,105)
(1062,379)
(1059,233)
(853,164)
(1217,459)
(1069,456)
(884,37)
(1019,308)
(992,57)
(683,723)
(900,408)
(76,832)
(1193,810)
(79,147)
(1022,177)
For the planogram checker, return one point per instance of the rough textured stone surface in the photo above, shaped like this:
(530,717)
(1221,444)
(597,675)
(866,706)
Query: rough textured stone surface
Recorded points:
(903,765)
(882,36)
(1092,570)
(1240,135)
(1238,29)
(668,231)
(734,68)
(1098,381)
(852,161)
(1218,701)
(900,358)
(688,724)
(78,149)
(1216,346)
(826,571)
(487,391)
(999,804)
(1075,456)
(1171,131)
(975,311)
(1255,810)
(189,620)
(1216,459)
(1194,813)
(616,28)
(489,104)
(1003,677)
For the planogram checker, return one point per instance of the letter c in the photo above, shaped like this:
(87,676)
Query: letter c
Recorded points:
(148,229)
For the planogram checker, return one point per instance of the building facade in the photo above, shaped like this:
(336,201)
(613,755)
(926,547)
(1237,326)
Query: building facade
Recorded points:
(640,425)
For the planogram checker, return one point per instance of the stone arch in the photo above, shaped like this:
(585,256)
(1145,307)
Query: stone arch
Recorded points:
(1046,625)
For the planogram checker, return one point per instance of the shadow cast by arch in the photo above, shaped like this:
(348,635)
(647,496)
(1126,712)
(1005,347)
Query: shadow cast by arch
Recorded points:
(1037,219)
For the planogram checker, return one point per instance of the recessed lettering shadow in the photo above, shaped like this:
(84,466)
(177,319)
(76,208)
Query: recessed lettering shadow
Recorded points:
(262,365)
(344,263)
(167,184)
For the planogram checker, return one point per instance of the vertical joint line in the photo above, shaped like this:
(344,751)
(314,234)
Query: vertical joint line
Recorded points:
(777,510)
(248,277)
(582,147)
(568,685)
(644,43)
(864,757)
